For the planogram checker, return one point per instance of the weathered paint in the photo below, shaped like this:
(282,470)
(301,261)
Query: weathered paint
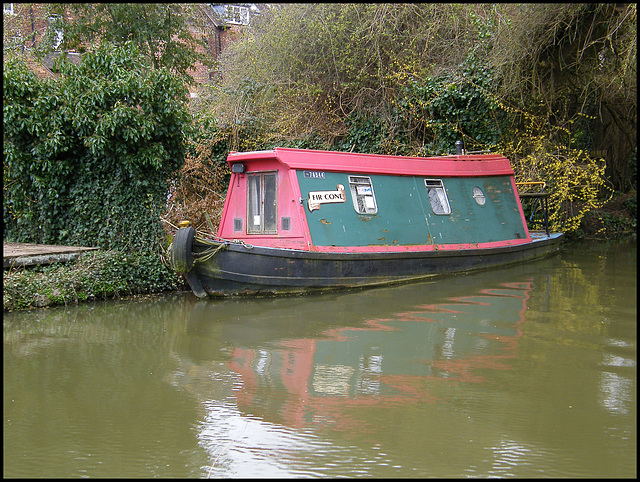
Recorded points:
(400,219)
(473,165)
(258,270)
(405,219)
(296,237)
(405,216)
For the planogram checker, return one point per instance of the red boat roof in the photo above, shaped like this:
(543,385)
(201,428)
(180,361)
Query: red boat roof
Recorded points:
(313,160)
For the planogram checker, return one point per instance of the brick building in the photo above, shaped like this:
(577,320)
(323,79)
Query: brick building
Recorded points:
(222,26)
(25,24)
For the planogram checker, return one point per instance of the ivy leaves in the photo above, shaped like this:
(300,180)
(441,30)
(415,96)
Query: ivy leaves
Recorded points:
(84,154)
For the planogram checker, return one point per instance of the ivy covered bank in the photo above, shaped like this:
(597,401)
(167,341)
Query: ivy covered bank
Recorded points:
(87,158)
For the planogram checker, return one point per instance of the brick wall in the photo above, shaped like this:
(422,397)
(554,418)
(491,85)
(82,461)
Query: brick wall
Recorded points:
(28,24)
(25,27)
(217,40)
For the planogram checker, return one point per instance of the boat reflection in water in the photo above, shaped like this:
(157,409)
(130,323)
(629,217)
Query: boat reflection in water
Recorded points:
(298,370)
(396,359)
(294,361)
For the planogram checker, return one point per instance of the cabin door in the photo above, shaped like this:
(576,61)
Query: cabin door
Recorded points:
(262,203)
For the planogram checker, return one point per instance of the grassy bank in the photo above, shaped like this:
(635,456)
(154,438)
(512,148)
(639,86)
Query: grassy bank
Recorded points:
(93,275)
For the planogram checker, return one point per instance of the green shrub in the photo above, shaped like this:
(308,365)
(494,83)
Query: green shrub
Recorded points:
(87,156)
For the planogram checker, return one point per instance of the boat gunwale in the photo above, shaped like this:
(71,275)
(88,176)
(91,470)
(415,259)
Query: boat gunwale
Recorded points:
(229,282)
(398,253)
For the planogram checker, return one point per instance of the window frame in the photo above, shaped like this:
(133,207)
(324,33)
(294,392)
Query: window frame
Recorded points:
(238,14)
(261,229)
(355,196)
(479,196)
(440,192)
(59,33)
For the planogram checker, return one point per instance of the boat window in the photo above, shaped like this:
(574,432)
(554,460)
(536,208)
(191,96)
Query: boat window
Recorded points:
(437,196)
(262,203)
(478,195)
(362,195)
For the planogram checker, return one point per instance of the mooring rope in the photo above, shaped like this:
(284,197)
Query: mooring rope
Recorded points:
(240,241)
(215,246)
(209,252)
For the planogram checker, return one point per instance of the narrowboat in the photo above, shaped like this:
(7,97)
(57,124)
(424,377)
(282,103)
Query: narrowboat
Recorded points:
(299,220)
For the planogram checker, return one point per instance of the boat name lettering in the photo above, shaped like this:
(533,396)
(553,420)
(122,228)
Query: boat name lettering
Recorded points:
(316,198)
(313,175)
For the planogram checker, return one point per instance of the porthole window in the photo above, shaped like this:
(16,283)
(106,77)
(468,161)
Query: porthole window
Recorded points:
(478,195)
(437,196)
(362,195)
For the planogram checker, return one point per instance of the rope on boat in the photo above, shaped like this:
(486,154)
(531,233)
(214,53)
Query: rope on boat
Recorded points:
(210,252)
(215,246)
(240,241)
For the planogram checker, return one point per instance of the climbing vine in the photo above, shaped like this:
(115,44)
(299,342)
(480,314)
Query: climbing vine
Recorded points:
(574,179)
(87,155)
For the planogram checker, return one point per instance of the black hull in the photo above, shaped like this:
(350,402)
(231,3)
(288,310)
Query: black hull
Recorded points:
(239,269)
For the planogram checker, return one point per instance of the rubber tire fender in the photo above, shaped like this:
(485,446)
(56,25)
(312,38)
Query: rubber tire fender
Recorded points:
(181,256)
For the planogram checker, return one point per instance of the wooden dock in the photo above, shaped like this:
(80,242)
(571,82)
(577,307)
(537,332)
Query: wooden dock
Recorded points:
(24,254)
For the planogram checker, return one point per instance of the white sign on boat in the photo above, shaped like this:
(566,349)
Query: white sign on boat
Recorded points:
(317,198)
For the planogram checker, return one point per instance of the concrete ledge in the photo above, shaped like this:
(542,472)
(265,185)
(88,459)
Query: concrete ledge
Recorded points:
(25,254)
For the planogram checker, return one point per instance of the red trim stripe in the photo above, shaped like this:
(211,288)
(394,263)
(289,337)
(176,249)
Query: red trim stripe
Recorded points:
(472,165)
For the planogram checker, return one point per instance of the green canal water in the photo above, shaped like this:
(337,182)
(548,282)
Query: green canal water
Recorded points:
(528,371)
